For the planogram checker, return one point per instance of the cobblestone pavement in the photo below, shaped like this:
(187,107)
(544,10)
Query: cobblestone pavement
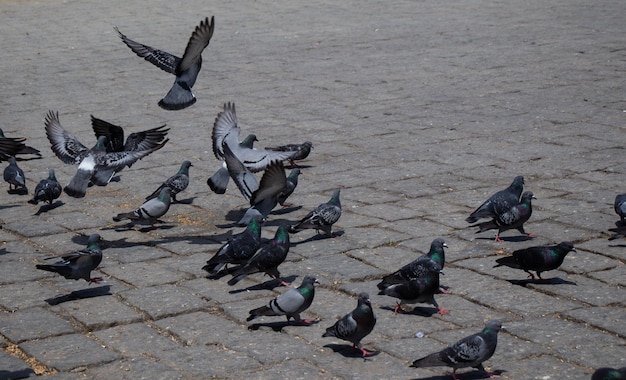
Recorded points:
(418,111)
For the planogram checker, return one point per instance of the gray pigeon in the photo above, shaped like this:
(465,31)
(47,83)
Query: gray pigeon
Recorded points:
(151,210)
(239,248)
(265,197)
(291,303)
(470,351)
(322,218)
(176,183)
(24,149)
(355,325)
(242,176)
(14,176)
(513,218)
(79,264)
(10,147)
(47,190)
(620,207)
(302,151)
(186,68)
(540,259)
(290,186)
(218,182)
(499,202)
(609,374)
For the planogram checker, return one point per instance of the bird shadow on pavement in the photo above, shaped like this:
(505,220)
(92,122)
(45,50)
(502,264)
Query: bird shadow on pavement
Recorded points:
(319,237)
(131,226)
(421,311)
(49,207)
(18,191)
(512,239)
(267,285)
(186,201)
(285,210)
(18,374)
(80,294)
(473,375)
(348,351)
(8,206)
(545,281)
(279,326)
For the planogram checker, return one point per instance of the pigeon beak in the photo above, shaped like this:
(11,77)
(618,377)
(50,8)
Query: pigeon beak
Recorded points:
(316,281)
(445,245)
(441,272)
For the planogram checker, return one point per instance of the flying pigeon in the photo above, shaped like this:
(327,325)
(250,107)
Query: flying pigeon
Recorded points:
(291,303)
(355,325)
(218,182)
(267,259)
(239,248)
(186,68)
(151,210)
(25,149)
(609,374)
(302,151)
(47,190)
(499,202)
(322,218)
(620,207)
(513,218)
(265,197)
(470,351)
(540,259)
(290,186)
(79,264)
(90,161)
(176,183)
(14,176)
(10,147)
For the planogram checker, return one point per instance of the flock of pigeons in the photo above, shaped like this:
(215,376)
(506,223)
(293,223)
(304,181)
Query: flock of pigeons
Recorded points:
(415,282)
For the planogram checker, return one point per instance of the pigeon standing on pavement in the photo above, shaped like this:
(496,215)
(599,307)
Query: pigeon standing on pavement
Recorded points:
(47,190)
(15,176)
(513,218)
(620,207)
(415,268)
(540,259)
(290,186)
(609,374)
(186,68)
(356,325)
(238,249)
(302,151)
(151,210)
(470,351)
(79,264)
(291,303)
(322,218)
(499,202)
(24,149)
(176,183)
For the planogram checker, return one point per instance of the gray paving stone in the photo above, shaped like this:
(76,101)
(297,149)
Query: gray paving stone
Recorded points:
(14,368)
(33,323)
(163,300)
(223,362)
(100,312)
(145,273)
(135,368)
(146,341)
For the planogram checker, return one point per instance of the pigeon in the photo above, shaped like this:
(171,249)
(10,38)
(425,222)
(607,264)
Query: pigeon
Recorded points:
(355,325)
(239,248)
(291,303)
(25,149)
(14,176)
(186,68)
(218,182)
(499,202)
(79,264)
(242,176)
(47,190)
(265,197)
(470,351)
(322,218)
(609,374)
(267,259)
(176,183)
(513,218)
(151,210)
(290,186)
(620,207)
(10,147)
(540,259)
(302,151)
(90,161)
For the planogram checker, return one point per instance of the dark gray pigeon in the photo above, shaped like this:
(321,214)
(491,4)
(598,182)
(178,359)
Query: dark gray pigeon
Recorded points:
(609,374)
(24,149)
(237,250)
(267,259)
(290,186)
(151,210)
(302,151)
(218,182)
(620,207)
(186,68)
(322,218)
(47,190)
(79,264)
(14,176)
(176,183)
(291,303)
(470,351)
(356,325)
(499,202)
(265,197)
(540,259)
(513,218)
(416,268)
(10,147)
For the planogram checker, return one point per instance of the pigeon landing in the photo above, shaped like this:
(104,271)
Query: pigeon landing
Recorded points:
(218,182)
(620,207)
(239,248)
(186,68)
(14,176)
(265,197)
(302,151)
(176,183)
(23,149)
(499,202)
(322,218)
(79,264)
(514,218)
(291,303)
(151,210)
(356,325)
(609,374)
(47,190)
(540,259)
(470,351)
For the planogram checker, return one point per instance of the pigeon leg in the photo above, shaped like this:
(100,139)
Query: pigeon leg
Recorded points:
(442,311)
(284,283)
(95,280)
(398,308)
(444,290)
(498,240)
(532,276)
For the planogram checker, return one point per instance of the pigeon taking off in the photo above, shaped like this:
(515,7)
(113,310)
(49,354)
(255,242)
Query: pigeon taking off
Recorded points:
(513,218)
(322,218)
(14,176)
(620,207)
(470,351)
(500,202)
(290,186)
(47,190)
(609,374)
(218,182)
(355,325)
(540,259)
(239,248)
(302,151)
(291,303)
(265,197)
(24,149)
(177,183)
(79,264)
(151,210)
(186,68)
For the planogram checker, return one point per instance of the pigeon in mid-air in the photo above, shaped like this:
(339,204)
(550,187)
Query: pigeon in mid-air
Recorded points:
(609,374)
(79,264)
(186,68)
(237,250)
(151,210)
(470,351)
(513,218)
(9,147)
(499,202)
(218,182)
(302,151)
(177,183)
(291,303)
(24,149)
(290,186)
(267,259)
(14,176)
(265,197)
(620,207)
(540,259)
(356,325)
(47,190)
(322,218)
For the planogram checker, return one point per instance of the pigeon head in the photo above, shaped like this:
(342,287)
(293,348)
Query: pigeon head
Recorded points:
(248,142)
(184,167)
(335,198)
(282,235)
(364,299)
(493,327)
(567,246)
(94,241)
(12,160)
(310,279)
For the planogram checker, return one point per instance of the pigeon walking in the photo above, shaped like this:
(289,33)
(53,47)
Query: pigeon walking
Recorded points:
(513,218)
(540,259)
(79,264)
(609,374)
(322,218)
(14,176)
(176,183)
(620,207)
(499,202)
(416,268)
(470,351)
(302,151)
(356,325)
(290,186)
(151,210)
(47,190)
(291,303)
(24,149)
(237,250)
(186,68)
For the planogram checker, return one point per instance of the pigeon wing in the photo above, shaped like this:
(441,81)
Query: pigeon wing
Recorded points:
(198,41)
(161,59)
(64,145)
